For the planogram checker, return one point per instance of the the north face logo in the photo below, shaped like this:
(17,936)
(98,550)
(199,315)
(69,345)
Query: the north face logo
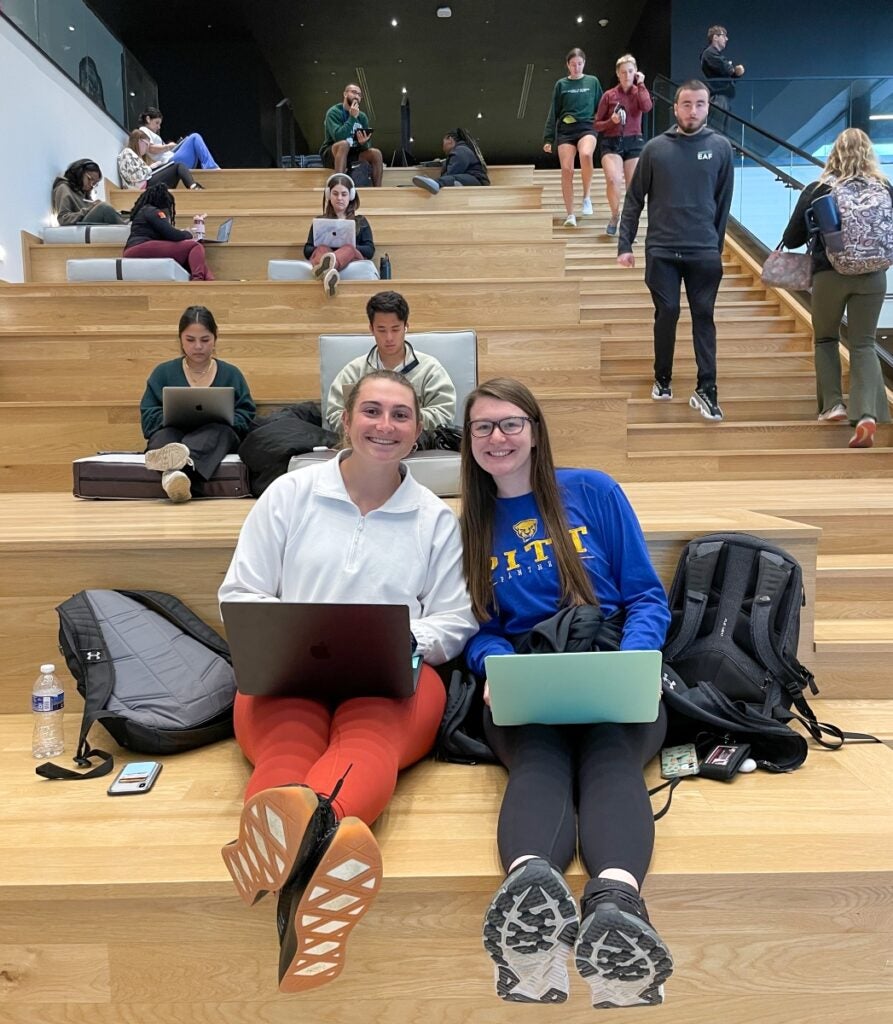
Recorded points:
(705,154)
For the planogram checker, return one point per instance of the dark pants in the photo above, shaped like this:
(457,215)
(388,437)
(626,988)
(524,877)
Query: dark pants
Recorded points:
(592,772)
(664,274)
(172,174)
(458,179)
(207,446)
(188,253)
(102,213)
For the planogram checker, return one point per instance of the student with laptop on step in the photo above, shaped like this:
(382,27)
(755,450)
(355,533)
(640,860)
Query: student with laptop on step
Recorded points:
(339,237)
(542,547)
(154,235)
(356,529)
(187,453)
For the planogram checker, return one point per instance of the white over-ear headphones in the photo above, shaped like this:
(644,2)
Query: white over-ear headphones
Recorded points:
(352,191)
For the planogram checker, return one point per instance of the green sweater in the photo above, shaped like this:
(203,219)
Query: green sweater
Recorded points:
(171,375)
(576,98)
(339,125)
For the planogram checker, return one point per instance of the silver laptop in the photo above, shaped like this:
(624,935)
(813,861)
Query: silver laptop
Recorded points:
(334,233)
(574,688)
(325,652)
(223,233)
(188,408)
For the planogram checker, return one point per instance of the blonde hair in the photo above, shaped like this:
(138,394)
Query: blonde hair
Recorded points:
(852,156)
(627,58)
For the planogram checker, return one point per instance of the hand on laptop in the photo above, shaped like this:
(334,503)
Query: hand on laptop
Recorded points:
(486,693)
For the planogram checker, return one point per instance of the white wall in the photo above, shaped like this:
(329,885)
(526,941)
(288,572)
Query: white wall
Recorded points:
(46,123)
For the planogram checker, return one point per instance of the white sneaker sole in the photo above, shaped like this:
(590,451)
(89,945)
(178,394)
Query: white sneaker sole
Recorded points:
(176,486)
(172,456)
(696,404)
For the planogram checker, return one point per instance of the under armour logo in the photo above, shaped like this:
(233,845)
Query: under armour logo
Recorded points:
(705,154)
(93,655)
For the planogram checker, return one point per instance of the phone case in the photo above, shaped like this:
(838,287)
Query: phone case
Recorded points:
(724,760)
(135,778)
(676,761)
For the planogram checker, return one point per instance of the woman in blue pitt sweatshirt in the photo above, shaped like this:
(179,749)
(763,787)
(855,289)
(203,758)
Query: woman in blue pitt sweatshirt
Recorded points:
(536,541)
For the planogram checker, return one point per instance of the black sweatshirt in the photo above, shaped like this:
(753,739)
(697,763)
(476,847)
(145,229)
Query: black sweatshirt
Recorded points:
(464,160)
(153,225)
(688,180)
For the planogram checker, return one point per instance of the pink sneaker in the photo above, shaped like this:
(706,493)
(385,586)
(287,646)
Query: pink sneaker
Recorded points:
(864,435)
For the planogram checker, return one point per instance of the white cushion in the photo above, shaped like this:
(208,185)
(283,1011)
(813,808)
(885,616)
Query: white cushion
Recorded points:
(437,470)
(456,351)
(301,270)
(73,233)
(125,270)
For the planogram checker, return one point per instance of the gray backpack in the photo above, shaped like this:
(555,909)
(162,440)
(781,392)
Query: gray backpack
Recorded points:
(151,672)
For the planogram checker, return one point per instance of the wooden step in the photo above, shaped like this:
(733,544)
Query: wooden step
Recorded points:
(144,952)
(315,177)
(779,407)
(636,292)
(768,344)
(469,303)
(759,464)
(854,586)
(53,545)
(247,261)
(616,309)
(729,325)
(863,528)
(748,383)
(729,361)
(854,649)
(233,202)
(729,435)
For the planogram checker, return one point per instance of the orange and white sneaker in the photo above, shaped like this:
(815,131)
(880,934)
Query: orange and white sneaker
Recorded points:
(319,908)
(274,839)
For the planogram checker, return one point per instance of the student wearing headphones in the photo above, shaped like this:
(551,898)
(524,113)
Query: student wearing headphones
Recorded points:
(340,202)
(388,314)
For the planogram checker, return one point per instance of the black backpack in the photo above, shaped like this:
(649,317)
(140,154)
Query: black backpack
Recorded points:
(731,672)
(151,672)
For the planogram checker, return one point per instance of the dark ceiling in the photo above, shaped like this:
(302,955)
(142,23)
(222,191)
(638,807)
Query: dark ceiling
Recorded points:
(474,62)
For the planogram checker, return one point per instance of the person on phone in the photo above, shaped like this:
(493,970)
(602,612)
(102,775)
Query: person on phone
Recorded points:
(355,529)
(464,164)
(539,543)
(72,196)
(190,150)
(388,314)
(347,137)
(154,235)
(618,122)
(136,173)
(569,126)
(341,200)
(852,160)
(187,460)
(719,72)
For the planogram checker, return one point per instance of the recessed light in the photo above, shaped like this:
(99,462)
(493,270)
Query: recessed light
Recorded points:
(71,28)
(403,89)
(393,22)
(411,139)
(444,12)
(480,115)
(579,19)
(133,94)
(603,22)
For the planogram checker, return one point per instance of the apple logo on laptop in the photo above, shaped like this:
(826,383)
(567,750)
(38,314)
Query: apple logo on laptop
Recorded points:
(320,651)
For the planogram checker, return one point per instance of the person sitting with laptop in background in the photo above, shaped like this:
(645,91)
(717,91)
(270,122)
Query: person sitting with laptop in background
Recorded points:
(136,172)
(388,314)
(539,543)
(153,234)
(356,529)
(187,459)
(340,203)
(347,137)
(464,164)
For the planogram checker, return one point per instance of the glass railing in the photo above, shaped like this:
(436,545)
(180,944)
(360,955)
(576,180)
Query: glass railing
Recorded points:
(80,45)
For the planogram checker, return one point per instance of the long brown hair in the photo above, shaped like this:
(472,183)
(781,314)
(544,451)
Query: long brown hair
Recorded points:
(852,156)
(479,502)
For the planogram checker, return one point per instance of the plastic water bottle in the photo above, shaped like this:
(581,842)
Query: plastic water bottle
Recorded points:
(384,268)
(47,706)
(198,227)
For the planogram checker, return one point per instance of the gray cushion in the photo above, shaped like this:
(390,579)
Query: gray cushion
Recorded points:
(436,470)
(73,233)
(455,350)
(125,270)
(301,270)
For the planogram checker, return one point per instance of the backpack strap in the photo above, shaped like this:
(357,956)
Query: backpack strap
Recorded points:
(700,568)
(173,609)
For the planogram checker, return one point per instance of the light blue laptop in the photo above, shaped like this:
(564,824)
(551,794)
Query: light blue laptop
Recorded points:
(574,688)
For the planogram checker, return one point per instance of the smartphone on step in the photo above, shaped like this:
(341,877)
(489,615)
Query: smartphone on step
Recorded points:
(135,778)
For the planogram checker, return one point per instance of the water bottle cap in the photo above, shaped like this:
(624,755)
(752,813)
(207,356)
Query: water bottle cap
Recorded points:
(46,669)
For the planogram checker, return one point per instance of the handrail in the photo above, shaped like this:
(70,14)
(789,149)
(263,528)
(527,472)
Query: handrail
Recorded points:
(747,124)
(782,176)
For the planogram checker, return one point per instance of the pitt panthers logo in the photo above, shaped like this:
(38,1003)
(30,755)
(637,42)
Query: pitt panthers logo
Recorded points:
(526,529)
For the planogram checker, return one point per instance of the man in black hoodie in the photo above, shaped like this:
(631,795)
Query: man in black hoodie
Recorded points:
(687,175)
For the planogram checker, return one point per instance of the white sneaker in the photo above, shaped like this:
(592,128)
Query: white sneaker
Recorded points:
(586,209)
(172,456)
(570,221)
(176,486)
(836,414)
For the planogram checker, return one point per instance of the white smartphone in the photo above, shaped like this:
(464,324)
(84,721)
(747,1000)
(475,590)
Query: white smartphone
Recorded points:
(135,778)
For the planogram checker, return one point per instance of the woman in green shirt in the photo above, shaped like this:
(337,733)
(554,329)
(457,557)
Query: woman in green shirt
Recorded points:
(569,125)
(189,458)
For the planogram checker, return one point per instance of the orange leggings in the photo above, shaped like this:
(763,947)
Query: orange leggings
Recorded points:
(292,739)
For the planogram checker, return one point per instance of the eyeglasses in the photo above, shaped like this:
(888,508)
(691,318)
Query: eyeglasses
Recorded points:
(508,425)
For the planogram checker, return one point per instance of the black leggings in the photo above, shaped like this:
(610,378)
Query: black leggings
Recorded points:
(171,174)
(593,772)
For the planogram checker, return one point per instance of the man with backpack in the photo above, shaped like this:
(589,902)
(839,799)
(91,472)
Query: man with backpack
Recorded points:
(849,274)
